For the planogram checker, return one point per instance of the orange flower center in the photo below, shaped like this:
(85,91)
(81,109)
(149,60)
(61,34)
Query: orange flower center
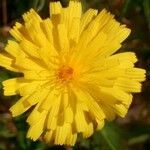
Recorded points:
(65,73)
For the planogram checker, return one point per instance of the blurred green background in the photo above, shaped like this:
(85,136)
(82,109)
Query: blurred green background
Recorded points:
(130,133)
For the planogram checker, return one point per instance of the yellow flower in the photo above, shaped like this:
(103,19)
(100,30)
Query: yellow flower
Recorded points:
(70,72)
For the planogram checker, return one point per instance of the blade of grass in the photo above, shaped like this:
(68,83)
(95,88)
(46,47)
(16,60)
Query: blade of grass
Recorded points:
(146,6)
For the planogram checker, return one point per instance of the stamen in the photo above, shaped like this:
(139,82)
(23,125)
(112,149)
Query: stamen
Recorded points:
(65,73)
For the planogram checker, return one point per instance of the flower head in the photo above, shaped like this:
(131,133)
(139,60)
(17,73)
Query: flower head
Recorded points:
(70,72)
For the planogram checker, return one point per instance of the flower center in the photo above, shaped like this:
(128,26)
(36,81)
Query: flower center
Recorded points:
(65,73)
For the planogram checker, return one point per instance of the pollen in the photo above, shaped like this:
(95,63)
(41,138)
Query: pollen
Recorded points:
(65,73)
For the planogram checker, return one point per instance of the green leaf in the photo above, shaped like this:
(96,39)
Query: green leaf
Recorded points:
(139,139)
(126,7)
(138,130)
(38,4)
(41,146)
(111,135)
(3,76)
(146,5)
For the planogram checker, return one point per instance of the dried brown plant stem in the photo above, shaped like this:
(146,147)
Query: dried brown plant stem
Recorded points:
(68,148)
(4,11)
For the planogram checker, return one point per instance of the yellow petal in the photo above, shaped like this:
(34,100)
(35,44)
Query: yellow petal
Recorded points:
(19,107)
(61,134)
(87,17)
(52,122)
(37,75)
(94,108)
(29,87)
(68,14)
(11,86)
(49,136)
(55,8)
(136,74)
(36,116)
(128,85)
(28,63)
(124,56)
(88,130)
(29,48)
(12,48)
(100,124)
(69,116)
(71,139)
(111,27)
(52,101)
(15,32)
(31,15)
(80,121)
(7,62)
(121,110)
(36,130)
(114,95)
(63,38)
(47,28)
(27,101)
(74,31)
